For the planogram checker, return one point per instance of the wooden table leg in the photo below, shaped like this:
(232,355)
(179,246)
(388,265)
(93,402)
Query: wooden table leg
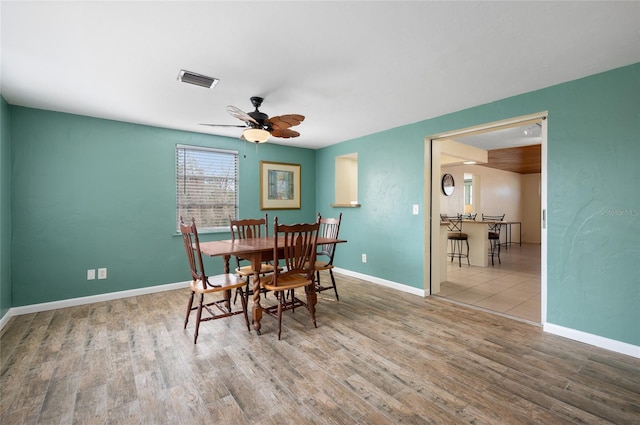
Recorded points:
(256,309)
(227,294)
(312,299)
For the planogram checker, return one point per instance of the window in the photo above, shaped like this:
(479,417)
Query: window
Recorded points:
(206,186)
(468,190)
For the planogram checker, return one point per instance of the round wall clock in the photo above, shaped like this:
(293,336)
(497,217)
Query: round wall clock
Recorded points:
(448,184)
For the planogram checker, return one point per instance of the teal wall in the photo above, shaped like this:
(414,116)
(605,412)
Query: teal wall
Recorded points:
(5,207)
(91,193)
(593,200)
(84,188)
(390,181)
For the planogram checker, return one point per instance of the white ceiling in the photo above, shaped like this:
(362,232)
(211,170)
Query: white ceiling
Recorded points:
(352,68)
(524,135)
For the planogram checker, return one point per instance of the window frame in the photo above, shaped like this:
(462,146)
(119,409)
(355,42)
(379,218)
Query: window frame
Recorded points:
(182,155)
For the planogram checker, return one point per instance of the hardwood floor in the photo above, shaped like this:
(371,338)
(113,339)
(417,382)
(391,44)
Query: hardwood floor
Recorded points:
(511,288)
(379,356)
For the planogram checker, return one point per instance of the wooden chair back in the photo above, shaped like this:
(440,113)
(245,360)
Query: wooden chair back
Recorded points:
(192,248)
(294,249)
(329,228)
(249,228)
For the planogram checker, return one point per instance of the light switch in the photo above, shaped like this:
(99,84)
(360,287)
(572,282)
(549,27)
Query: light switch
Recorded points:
(416,209)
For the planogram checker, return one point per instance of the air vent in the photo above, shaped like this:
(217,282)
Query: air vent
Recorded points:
(197,79)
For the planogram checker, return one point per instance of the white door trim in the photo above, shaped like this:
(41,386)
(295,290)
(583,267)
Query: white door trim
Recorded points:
(432,220)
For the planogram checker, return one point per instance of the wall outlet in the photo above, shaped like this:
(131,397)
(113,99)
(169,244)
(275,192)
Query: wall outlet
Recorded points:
(364,258)
(102,273)
(91,274)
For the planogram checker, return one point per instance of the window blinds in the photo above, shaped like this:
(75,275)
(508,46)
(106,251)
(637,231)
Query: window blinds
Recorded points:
(206,186)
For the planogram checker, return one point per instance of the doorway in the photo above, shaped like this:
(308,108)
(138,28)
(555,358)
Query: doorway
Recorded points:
(531,258)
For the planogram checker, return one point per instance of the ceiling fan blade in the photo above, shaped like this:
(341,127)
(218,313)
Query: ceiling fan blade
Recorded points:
(284,133)
(224,125)
(241,115)
(285,121)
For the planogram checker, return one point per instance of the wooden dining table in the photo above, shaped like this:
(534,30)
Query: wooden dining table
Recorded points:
(255,250)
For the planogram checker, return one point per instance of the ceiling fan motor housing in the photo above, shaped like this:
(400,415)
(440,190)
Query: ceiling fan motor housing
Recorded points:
(261,117)
(258,116)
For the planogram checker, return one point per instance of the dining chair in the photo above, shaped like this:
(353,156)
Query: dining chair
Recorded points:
(494,235)
(249,228)
(202,284)
(329,228)
(294,248)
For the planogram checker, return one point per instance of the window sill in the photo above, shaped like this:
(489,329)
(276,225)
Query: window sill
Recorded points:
(345,205)
(207,231)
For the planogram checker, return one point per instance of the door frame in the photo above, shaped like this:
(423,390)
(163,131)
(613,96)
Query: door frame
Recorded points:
(433,254)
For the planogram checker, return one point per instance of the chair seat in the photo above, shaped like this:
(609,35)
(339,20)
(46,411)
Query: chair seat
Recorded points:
(248,270)
(285,282)
(217,283)
(494,235)
(321,265)
(457,236)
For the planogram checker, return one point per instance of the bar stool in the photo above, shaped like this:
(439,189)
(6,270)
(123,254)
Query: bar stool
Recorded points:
(494,235)
(455,238)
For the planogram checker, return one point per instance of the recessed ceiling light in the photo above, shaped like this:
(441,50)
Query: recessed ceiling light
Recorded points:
(469,162)
(197,79)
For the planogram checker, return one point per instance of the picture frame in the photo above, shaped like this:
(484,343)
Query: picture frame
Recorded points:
(279,186)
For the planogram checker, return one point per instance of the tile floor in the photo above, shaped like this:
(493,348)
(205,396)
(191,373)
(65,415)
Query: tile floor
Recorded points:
(511,288)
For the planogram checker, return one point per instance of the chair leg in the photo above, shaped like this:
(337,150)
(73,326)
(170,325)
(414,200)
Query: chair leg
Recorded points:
(333,280)
(494,244)
(244,302)
(453,249)
(198,316)
(468,262)
(291,294)
(189,305)
(247,290)
(280,298)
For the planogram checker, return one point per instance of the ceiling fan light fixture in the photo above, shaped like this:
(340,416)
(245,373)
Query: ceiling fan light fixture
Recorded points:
(197,79)
(256,135)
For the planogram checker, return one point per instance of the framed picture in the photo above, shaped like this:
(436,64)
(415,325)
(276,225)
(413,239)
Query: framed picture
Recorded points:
(279,186)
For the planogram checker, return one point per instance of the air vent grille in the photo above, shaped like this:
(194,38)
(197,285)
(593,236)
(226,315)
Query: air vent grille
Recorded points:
(197,79)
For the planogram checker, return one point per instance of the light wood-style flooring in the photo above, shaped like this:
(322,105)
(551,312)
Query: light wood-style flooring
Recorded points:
(379,356)
(511,288)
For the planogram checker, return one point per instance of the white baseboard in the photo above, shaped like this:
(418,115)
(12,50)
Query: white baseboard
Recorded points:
(383,282)
(595,340)
(53,305)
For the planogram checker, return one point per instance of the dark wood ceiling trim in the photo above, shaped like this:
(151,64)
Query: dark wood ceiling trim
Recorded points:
(521,159)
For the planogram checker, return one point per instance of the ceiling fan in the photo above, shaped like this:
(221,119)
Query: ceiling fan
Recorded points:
(259,126)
